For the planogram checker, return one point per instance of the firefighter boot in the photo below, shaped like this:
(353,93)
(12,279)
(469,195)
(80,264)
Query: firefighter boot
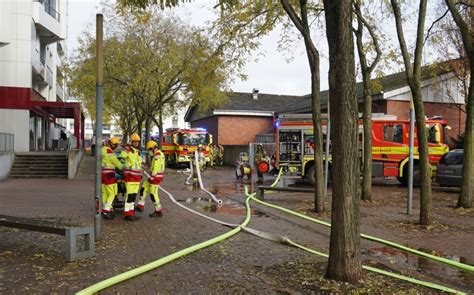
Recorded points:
(157,213)
(139,208)
(131,218)
(108,215)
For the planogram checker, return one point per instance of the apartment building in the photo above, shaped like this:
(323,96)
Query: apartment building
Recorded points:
(32,97)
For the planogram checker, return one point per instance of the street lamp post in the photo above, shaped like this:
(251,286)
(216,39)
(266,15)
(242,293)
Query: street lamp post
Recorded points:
(98,127)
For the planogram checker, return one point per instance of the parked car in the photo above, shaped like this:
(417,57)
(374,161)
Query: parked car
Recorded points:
(450,168)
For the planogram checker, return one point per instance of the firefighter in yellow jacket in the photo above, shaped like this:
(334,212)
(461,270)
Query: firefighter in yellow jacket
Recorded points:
(132,175)
(109,181)
(156,175)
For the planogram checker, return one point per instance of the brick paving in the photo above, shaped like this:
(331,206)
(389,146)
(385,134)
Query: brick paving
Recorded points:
(33,263)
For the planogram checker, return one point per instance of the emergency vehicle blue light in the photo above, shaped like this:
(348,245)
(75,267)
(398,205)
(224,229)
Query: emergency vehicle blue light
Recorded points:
(277,123)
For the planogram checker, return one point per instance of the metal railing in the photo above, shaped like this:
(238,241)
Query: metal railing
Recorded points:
(7,142)
(50,9)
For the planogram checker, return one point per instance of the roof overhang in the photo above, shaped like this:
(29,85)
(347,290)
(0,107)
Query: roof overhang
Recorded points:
(243,113)
(58,109)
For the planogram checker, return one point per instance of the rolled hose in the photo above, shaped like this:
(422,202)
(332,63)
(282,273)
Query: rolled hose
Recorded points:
(152,265)
(446,261)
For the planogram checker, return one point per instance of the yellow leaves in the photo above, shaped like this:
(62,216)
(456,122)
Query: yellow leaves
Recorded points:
(6,253)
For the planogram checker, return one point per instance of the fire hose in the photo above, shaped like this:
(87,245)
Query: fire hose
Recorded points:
(201,185)
(152,265)
(446,261)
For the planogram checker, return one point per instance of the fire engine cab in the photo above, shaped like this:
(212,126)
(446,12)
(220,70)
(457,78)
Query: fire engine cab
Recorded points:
(390,146)
(179,144)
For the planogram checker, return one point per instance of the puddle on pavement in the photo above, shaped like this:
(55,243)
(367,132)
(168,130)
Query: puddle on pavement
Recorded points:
(428,266)
(230,188)
(227,207)
(225,189)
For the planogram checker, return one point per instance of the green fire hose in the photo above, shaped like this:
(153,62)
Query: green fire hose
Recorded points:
(446,261)
(140,270)
(152,265)
(383,272)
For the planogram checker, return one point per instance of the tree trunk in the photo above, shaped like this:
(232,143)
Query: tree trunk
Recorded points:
(367,122)
(301,23)
(467,186)
(426,217)
(139,128)
(318,141)
(413,77)
(344,254)
(160,128)
(147,129)
(366,71)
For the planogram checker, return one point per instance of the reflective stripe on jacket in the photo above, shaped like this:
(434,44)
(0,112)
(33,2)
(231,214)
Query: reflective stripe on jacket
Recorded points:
(157,168)
(109,163)
(133,164)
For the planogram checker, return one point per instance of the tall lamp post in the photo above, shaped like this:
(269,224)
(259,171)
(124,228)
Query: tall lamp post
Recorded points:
(99,94)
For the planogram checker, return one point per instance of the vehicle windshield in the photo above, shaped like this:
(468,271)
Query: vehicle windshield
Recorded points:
(453,158)
(434,133)
(193,139)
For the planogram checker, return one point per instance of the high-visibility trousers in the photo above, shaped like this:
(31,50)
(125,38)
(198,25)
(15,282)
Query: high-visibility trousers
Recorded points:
(109,191)
(152,189)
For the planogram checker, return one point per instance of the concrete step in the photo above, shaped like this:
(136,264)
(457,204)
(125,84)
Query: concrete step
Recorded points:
(37,165)
(46,171)
(39,176)
(41,160)
(45,158)
(23,165)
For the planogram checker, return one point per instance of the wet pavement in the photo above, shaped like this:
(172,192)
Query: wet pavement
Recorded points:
(32,262)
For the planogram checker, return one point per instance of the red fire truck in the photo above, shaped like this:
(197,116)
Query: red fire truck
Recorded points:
(178,144)
(390,146)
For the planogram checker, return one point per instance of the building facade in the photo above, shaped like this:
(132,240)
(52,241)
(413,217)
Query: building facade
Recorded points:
(32,85)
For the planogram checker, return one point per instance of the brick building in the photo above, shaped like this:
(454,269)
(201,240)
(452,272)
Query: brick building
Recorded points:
(441,90)
(237,123)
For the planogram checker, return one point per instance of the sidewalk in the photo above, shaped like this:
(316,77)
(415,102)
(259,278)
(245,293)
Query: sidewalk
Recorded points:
(32,262)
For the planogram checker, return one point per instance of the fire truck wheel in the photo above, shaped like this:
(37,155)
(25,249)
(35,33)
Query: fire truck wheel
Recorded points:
(416,176)
(310,176)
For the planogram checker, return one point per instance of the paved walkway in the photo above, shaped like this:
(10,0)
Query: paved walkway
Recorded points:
(32,262)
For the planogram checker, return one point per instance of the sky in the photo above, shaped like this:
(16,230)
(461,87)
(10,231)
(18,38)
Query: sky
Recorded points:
(271,73)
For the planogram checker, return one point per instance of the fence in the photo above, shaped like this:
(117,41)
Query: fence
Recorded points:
(7,142)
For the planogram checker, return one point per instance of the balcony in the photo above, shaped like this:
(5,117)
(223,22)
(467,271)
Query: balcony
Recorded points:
(37,63)
(47,21)
(59,92)
(49,76)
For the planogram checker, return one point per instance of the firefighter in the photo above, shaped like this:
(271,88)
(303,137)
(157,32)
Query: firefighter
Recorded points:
(132,175)
(109,181)
(220,155)
(259,158)
(151,185)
